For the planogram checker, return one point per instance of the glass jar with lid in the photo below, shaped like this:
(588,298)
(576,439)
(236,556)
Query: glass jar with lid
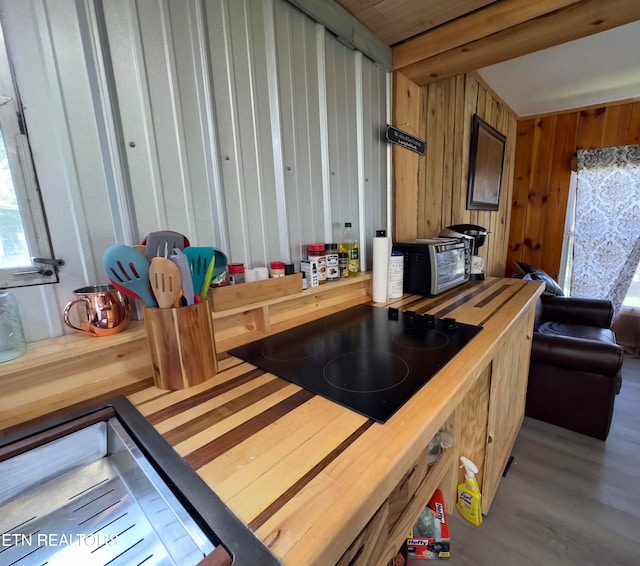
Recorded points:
(12,340)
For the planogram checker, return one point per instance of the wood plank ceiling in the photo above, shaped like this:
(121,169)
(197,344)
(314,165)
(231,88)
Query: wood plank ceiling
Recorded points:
(436,39)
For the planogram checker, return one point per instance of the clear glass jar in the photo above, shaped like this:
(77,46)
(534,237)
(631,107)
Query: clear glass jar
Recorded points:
(12,341)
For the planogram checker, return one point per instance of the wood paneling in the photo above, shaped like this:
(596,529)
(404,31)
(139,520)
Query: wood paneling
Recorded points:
(545,147)
(431,191)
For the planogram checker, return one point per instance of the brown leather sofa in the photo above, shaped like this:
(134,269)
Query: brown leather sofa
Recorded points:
(574,374)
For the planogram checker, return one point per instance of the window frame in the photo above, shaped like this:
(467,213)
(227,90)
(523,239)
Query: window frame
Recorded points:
(42,268)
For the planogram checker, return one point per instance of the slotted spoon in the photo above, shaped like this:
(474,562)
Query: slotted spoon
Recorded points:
(129,269)
(166,281)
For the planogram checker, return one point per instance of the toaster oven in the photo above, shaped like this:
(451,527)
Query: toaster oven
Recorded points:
(434,266)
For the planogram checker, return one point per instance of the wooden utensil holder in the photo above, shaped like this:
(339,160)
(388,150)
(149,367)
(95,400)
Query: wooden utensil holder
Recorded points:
(182,344)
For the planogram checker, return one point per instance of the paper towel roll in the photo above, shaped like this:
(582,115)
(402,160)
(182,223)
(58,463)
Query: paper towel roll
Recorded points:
(381,254)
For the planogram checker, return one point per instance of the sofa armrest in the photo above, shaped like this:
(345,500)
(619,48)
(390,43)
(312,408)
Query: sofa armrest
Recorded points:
(590,312)
(578,354)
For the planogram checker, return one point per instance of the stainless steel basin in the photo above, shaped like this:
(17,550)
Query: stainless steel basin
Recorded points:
(101,486)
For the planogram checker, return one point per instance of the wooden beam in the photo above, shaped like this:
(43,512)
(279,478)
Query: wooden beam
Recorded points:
(394,21)
(348,30)
(491,19)
(573,22)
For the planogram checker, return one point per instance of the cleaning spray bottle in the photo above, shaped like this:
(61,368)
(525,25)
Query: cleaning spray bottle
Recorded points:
(469,498)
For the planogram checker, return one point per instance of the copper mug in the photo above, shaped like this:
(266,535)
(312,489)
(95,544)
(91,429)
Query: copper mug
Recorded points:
(101,310)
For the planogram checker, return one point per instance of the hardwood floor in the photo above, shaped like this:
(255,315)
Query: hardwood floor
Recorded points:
(567,499)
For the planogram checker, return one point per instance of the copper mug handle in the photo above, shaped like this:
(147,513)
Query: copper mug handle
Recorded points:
(67,320)
(107,310)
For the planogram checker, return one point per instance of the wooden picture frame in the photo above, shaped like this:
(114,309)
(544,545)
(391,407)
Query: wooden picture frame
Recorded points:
(485,166)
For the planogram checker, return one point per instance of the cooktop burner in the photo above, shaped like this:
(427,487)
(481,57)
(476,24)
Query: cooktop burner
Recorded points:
(368,359)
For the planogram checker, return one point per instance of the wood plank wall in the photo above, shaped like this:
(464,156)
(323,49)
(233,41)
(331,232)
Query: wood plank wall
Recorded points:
(545,146)
(431,190)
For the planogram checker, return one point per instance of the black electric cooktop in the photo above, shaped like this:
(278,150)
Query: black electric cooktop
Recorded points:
(368,359)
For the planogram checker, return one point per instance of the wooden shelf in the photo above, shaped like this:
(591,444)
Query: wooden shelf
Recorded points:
(383,535)
(426,489)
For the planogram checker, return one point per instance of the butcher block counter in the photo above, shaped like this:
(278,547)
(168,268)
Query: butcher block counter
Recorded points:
(316,482)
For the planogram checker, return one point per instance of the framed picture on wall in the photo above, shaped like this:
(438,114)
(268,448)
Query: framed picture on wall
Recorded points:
(485,166)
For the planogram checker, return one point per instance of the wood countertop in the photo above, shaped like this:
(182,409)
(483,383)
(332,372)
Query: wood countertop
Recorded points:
(303,472)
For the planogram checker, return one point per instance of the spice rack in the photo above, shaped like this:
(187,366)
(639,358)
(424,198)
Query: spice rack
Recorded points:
(250,311)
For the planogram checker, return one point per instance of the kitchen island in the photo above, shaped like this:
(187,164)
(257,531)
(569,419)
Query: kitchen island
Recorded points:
(316,482)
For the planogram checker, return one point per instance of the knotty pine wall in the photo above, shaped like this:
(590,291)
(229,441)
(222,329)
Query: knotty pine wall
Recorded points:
(545,147)
(431,190)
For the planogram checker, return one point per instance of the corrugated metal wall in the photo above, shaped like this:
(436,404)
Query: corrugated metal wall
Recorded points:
(248,121)
(241,123)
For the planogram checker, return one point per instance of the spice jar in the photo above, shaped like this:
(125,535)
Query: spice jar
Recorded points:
(332,262)
(276,269)
(236,273)
(343,265)
(317,252)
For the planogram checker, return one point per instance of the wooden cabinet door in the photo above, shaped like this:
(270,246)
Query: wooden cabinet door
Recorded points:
(509,374)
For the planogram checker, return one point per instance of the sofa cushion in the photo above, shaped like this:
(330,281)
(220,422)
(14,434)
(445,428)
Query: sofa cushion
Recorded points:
(551,287)
(555,328)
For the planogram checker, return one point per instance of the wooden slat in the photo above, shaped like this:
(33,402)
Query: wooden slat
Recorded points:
(460,160)
(396,20)
(430,197)
(539,188)
(573,22)
(617,124)
(213,448)
(406,164)
(252,459)
(510,370)
(634,127)
(510,168)
(590,128)
(449,145)
(556,203)
(238,296)
(491,19)
(471,420)
(291,492)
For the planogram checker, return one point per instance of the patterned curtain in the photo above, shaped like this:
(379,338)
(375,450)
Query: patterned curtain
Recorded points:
(607,227)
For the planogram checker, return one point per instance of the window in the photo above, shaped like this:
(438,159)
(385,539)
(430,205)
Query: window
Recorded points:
(23,230)
(632,298)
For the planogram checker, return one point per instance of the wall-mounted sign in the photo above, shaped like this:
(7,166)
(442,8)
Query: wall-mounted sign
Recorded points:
(408,141)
